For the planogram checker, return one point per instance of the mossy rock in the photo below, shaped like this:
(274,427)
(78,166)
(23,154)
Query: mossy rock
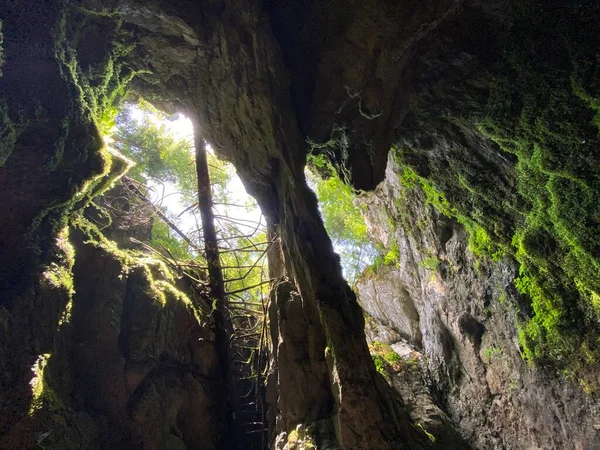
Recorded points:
(530,194)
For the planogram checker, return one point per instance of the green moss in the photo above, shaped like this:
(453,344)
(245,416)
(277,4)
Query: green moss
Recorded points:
(38,385)
(300,439)
(490,353)
(112,167)
(430,263)
(543,110)
(383,258)
(330,158)
(115,167)
(480,241)
(98,86)
(82,164)
(380,364)
(386,359)
(392,357)
(66,429)
(392,256)
(159,280)
(59,273)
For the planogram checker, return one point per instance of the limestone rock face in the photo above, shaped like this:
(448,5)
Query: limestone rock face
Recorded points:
(385,298)
(465,309)
(133,364)
(298,379)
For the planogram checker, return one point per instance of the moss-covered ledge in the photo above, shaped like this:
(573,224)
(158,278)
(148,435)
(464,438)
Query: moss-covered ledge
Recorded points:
(134,346)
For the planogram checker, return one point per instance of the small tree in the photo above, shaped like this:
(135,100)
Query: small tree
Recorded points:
(227,245)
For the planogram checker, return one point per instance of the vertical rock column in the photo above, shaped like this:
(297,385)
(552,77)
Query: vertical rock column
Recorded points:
(242,102)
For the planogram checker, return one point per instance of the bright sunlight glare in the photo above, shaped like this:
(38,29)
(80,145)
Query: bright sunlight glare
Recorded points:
(242,207)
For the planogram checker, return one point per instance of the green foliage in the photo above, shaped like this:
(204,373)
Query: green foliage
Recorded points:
(94,86)
(388,362)
(165,159)
(392,357)
(430,263)
(385,354)
(68,429)
(430,436)
(38,384)
(330,158)
(158,278)
(90,84)
(373,268)
(392,256)
(163,238)
(379,364)
(300,439)
(101,86)
(343,219)
(491,352)
(59,273)
(340,214)
(382,258)
(142,134)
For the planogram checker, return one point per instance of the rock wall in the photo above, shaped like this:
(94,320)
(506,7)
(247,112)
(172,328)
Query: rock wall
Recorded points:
(52,159)
(461,312)
(133,364)
(222,65)
(265,82)
(480,211)
(235,87)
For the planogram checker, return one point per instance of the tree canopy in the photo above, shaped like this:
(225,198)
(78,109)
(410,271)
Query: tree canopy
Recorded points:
(343,219)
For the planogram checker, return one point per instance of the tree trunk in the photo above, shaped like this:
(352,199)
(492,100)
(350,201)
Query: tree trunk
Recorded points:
(223,324)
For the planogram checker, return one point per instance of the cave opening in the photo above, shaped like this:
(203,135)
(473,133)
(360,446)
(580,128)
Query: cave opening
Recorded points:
(476,117)
(210,231)
(161,188)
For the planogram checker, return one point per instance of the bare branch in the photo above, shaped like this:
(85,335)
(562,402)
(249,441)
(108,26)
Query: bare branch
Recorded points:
(157,210)
(237,291)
